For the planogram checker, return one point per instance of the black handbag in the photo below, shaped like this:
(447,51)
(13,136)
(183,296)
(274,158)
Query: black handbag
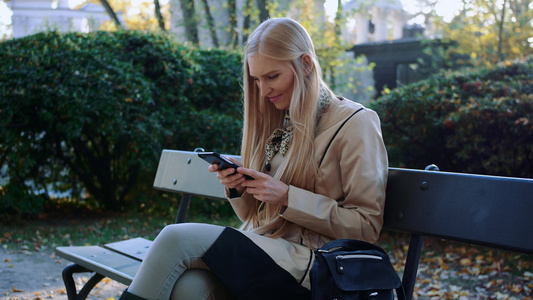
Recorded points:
(353,269)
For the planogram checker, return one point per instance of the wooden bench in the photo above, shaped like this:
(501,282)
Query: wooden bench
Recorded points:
(483,210)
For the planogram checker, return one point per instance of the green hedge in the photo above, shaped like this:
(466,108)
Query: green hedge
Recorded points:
(474,120)
(92,112)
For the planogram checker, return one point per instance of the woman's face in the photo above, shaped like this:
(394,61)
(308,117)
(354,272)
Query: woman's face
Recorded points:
(274,78)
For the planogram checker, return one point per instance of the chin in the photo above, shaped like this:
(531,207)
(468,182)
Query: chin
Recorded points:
(281,106)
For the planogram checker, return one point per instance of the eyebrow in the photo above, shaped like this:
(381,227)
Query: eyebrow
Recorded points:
(267,73)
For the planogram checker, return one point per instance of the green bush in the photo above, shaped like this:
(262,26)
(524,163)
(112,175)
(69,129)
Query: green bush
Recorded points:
(92,112)
(474,120)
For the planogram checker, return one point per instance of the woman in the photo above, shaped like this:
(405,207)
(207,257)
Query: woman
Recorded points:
(319,167)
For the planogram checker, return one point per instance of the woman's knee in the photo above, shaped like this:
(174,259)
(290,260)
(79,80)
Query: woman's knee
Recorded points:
(199,284)
(187,238)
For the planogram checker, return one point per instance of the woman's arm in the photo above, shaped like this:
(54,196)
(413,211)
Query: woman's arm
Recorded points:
(358,159)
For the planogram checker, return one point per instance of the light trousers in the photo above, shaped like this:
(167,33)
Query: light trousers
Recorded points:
(176,249)
(173,267)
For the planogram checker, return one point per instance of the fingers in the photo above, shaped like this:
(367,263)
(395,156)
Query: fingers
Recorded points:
(234,160)
(251,173)
(230,178)
(264,187)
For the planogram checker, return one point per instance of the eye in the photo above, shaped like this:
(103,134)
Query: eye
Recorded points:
(273,76)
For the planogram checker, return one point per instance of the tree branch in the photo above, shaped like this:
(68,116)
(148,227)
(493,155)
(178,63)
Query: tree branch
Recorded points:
(111,14)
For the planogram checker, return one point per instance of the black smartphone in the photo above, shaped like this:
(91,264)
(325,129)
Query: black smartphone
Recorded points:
(221,161)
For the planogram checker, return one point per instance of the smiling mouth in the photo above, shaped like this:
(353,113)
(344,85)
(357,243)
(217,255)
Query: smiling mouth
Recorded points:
(274,99)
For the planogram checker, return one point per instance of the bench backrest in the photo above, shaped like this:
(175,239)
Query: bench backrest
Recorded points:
(487,210)
(185,172)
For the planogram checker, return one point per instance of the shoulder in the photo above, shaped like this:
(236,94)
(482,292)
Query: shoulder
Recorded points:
(341,109)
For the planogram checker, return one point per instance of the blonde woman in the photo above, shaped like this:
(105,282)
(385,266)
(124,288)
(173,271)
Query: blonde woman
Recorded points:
(319,169)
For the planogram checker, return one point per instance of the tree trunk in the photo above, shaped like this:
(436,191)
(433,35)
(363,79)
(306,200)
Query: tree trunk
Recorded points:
(160,19)
(210,23)
(500,33)
(247,16)
(263,11)
(232,8)
(189,17)
(111,14)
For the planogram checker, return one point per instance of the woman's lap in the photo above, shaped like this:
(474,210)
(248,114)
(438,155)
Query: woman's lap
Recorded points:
(181,247)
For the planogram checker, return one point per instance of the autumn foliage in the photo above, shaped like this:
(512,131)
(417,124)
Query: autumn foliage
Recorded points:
(477,120)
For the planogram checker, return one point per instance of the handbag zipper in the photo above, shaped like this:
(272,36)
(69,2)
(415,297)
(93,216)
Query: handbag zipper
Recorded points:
(349,256)
(340,258)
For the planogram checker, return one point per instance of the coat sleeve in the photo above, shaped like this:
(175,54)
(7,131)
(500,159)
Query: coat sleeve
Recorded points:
(358,153)
(242,205)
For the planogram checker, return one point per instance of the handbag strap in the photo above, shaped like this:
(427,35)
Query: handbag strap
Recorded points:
(338,129)
(350,244)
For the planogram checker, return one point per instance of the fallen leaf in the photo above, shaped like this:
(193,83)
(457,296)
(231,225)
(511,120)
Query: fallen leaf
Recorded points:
(6,260)
(465,262)
(516,288)
(15,290)
(475,271)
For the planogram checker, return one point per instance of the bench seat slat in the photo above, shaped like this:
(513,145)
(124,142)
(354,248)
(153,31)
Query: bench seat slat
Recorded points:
(103,261)
(135,248)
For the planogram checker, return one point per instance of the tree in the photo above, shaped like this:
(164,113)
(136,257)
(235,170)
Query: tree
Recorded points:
(247,17)
(488,32)
(232,7)
(210,23)
(263,10)
(189,17)
(111,13)
(159,16)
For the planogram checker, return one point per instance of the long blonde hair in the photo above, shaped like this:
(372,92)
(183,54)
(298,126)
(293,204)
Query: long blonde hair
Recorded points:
(286,40)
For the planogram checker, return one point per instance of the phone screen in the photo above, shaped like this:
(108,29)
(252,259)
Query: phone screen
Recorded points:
(221,161)
(215,158)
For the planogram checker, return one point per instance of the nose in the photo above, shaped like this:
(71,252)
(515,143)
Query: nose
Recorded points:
(264,88)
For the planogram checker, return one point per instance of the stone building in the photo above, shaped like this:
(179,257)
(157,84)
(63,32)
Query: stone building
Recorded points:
(32,16)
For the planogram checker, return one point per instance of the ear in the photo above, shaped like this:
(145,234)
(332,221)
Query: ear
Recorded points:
(307,62)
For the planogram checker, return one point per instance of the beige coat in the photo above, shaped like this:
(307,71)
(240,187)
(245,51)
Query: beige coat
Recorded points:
(349,196)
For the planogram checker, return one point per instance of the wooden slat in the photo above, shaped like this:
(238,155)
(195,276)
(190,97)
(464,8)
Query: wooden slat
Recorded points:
(185,172)
(135,248)
(103,261)
(486,210)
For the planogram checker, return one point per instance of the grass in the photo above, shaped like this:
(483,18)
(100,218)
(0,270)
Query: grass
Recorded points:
(75,227)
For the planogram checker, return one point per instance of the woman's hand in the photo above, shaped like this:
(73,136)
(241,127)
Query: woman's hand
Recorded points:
(264,187)
(229,177)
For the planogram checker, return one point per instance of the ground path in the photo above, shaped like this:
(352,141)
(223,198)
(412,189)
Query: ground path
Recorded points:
(37,275)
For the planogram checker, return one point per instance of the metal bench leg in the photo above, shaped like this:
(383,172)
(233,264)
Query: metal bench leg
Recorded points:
(411,265)
(182,211)
(68,279)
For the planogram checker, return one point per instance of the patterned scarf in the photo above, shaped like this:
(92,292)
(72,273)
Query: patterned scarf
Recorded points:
(280,140)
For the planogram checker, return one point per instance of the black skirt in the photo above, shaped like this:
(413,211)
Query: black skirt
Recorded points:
(249,272)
